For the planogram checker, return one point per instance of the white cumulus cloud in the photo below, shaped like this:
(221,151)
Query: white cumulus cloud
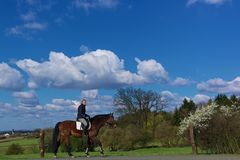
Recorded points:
(10,78)
(218,85)
(201,99)
(173,99)
(92,70)
(179,81)
(89,93)
(151,71)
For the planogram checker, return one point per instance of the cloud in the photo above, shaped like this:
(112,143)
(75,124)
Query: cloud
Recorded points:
(38,5)
(28,11)
(89,93)
(201,99)
(35,26)
(99,104)
(33,19)
(179,81)
(151,71)
(218,85)
(25,95)
(5,108)
(93,4)
(27,29)
(18,111)
(62,102)
(173,99)
(211,2)
(84,49)
(92,70)
(27,99)
(30,16)
(10,78)
(54,107)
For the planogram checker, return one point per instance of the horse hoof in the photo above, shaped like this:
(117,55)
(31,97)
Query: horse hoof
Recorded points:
(54,156)
(72,156)
(88,156)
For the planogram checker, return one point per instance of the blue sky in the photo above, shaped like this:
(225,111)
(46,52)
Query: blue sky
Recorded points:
(53,53)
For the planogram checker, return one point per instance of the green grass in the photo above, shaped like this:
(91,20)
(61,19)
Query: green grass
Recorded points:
(138,152)
(30,145)
(19,140)
(28,150)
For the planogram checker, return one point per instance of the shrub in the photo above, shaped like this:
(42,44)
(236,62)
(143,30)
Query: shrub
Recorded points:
(221,135)
(111,138)
(80,144)
(14,149)
(167,134)
(127,138)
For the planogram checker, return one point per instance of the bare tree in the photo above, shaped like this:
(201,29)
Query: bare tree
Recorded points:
(139,104)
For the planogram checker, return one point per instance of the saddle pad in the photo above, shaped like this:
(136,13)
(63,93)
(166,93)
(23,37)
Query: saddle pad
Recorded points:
(79,126)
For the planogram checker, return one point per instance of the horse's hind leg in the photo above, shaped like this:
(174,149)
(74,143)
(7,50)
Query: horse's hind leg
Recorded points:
(56,149)
(68,146)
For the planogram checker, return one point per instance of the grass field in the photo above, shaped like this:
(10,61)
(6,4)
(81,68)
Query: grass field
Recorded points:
(138,152)
(29,150)
(30,145)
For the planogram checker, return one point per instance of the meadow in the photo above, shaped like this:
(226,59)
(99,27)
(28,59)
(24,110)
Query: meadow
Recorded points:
(31,150)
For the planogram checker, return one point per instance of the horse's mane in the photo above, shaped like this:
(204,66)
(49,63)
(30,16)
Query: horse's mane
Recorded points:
(100,116)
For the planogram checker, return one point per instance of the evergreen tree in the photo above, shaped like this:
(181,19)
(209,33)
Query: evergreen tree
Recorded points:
(222,100)
(186,108)
(176,119)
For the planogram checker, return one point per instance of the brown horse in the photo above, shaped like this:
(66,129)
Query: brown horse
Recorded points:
(63,131)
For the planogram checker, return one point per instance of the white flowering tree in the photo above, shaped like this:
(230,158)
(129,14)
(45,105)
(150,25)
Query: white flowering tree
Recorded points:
(200,120)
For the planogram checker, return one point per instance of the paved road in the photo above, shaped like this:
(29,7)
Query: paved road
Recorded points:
(188,157)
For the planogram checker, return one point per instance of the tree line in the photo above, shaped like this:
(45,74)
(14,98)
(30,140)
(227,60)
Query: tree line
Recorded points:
(143,121)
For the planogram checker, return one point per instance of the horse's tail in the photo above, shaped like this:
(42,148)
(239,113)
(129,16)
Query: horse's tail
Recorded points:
(55,138)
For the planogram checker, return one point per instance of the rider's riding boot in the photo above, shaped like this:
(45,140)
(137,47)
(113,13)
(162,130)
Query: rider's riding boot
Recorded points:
(86,132)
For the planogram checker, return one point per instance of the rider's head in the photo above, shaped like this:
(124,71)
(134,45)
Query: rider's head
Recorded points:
(84,102)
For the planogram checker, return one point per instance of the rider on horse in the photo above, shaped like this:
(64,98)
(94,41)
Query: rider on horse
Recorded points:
(82,116)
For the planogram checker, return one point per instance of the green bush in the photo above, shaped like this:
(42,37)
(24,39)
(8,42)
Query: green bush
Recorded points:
(34,149)
(111,138)
(127,138)
(14,149)
(79,144)
(221,135)
(167,135)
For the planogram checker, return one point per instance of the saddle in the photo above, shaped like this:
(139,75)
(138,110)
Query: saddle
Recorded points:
(81,123)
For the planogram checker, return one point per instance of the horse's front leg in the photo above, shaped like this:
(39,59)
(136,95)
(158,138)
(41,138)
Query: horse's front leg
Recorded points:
(101,149)
(88,145)
(97,142)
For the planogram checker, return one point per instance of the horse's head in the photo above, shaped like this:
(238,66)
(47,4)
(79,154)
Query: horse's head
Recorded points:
(110,121)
